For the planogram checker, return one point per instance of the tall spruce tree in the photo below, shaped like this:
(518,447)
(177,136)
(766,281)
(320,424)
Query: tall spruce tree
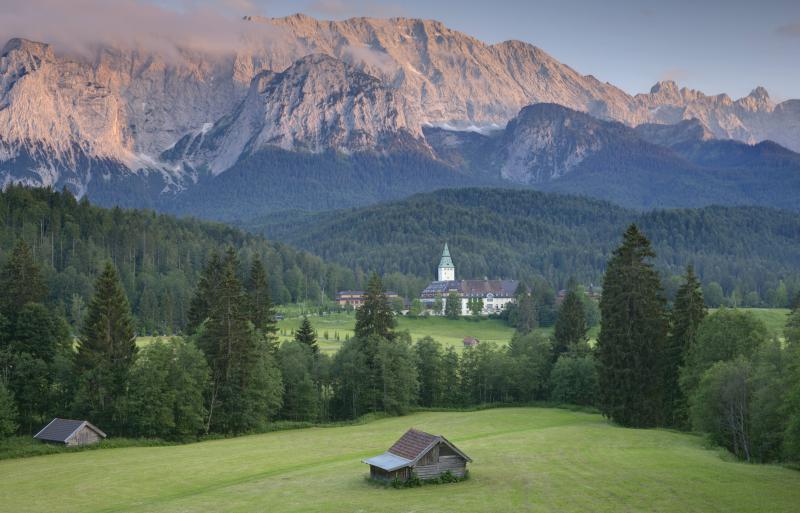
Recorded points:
(226,339)
(305,335)
(526,311)
(630,347)
(259,298)
(246,386)
(207,286)
(571,328)
(21,281)
(375,316)
(688,312)
(106,350)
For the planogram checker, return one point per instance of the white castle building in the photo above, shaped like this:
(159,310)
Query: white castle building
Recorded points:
(496,294)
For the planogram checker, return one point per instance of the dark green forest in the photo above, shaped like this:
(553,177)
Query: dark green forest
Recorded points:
(744,256)
(159,257)
(276,180)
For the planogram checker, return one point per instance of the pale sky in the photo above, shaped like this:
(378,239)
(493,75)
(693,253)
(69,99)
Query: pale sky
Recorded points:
(712,45)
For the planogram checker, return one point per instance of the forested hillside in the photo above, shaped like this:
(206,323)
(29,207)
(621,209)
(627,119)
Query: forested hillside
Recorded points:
(275,180)
(159,257)
(744,255)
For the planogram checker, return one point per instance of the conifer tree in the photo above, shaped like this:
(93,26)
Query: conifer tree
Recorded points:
(687,314)
(106,350)
(526,311)
(21,281)
(226,339)
(245,386)
(375,316)
(305,335)
(570,329)
(204,295)
(262,313)
(630,347)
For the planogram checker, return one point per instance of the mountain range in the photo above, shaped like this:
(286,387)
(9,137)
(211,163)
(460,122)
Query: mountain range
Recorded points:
(317,114)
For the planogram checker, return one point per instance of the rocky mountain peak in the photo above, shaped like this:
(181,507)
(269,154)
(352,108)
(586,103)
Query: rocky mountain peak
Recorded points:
(664,87)
(26,46)
(686,131)
(757,101)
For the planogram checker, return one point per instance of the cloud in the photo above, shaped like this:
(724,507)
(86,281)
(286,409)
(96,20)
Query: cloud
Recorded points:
(790,29)
(677,75)
(79,26)
(371,58)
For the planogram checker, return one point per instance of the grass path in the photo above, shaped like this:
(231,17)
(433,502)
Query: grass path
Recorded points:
(526,459)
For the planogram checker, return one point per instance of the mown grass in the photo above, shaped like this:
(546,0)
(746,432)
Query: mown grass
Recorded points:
(525,459)
(448,332)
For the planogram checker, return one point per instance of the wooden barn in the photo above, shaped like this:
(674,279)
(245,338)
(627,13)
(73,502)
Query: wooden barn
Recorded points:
(471,341)
(70,432)
(418,453)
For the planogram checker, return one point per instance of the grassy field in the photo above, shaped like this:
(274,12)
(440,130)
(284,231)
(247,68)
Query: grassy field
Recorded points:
(525,459)
(446,331)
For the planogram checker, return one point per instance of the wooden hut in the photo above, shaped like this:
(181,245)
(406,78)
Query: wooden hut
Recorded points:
(70,432)
(471,341)
(418,453)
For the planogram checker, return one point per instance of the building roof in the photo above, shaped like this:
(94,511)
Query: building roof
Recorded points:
(405,452)
(472,288)
(446,261)
(498,288)
(388,461)
(412,443)
(61,430)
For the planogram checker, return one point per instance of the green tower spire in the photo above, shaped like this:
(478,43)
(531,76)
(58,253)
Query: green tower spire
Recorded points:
(446,261)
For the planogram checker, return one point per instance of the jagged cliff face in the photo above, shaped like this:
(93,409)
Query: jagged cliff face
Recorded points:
(460,81)
(318,103)
(131,111)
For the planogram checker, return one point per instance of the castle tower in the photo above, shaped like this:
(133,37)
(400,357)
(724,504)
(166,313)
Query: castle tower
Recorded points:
(447,271)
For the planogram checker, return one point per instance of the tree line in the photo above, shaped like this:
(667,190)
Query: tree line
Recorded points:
(159,259)
(721,374)
(229,374)
(744,256)
(653,365)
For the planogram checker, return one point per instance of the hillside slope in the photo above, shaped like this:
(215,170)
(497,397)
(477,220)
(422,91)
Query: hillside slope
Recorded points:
(159,257)
(540,459)
(515,233)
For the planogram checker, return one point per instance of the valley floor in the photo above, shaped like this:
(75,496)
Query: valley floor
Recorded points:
(525,459)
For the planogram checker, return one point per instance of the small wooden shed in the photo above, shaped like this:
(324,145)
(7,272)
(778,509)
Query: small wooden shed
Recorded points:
(471,341)
(418,453)
(70,432)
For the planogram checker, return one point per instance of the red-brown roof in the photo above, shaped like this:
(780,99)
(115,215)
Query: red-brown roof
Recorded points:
(412,444)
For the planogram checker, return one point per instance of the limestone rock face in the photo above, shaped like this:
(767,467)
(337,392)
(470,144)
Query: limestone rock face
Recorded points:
(318,103)
(686,131)
(547,141)
(303,84)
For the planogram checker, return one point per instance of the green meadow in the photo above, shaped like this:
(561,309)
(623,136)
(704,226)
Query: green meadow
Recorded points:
(447,331)
(525,459)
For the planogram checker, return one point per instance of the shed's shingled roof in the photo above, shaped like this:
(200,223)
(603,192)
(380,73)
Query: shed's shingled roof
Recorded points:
(61,430)
(412,443)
